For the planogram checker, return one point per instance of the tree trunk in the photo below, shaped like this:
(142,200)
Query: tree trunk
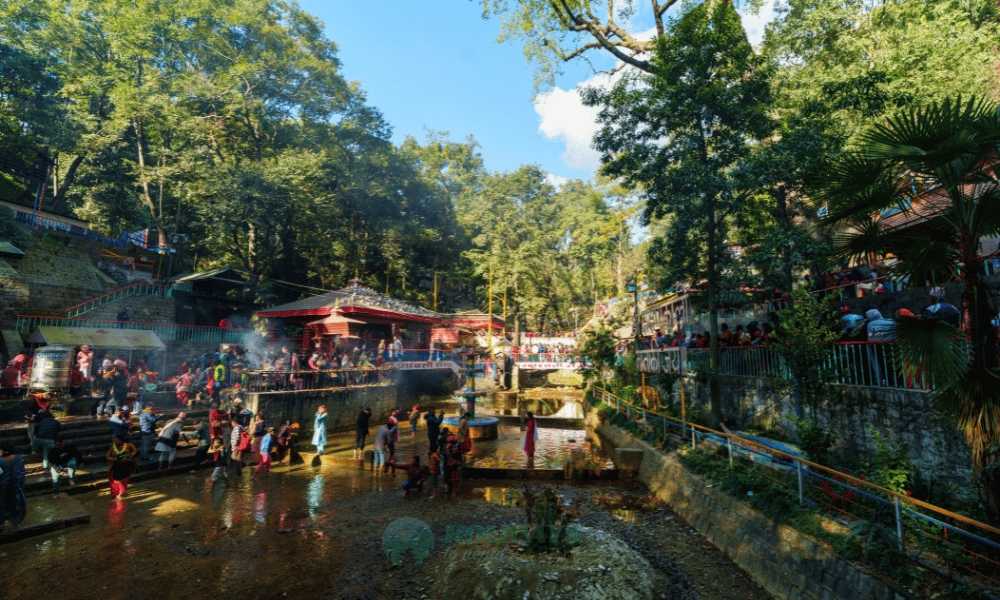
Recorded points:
(619,267)
(713,310)
(781,197)
(147,198)
(981,431)
(66,183)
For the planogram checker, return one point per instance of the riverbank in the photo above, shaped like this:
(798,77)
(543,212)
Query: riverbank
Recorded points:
(304,530)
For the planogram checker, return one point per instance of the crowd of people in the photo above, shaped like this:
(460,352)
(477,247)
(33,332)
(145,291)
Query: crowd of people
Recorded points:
(549,352)
(754,333)
(876,323)
(446,449)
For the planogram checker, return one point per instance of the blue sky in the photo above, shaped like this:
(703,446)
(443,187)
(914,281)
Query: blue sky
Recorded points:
(436,65)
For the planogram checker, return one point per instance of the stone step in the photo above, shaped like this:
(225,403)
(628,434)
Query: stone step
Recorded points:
(73,423)
(95,475)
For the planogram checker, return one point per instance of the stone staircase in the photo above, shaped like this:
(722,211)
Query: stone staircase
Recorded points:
(107,304)
(92,437)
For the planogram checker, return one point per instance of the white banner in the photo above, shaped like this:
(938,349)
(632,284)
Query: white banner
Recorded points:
(423,365)
(548,365)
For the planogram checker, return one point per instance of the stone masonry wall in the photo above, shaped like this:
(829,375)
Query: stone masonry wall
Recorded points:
(910,418)
(56,272)
(140,308)
(787,563)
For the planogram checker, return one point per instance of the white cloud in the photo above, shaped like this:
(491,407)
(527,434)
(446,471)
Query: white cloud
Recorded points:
(556,181)
(564,117)
(755,23)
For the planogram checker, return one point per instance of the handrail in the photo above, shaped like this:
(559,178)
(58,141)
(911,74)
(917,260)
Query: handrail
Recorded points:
(839,474)
(860,364)
(114,293)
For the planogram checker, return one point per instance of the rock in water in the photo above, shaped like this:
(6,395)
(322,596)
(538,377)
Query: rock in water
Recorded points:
(407,536)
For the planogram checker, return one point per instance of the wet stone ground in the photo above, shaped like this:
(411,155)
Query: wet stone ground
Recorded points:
(317,532)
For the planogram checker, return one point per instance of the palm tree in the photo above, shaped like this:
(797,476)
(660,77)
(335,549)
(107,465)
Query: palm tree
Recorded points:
(935,168)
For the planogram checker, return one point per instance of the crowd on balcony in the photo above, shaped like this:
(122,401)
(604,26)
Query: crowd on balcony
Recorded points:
(554,352)
(754,333)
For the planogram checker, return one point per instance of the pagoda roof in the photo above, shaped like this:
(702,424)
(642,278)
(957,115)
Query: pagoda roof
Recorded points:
(355,298)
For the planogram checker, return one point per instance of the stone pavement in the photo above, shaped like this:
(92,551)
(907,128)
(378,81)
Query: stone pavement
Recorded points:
(50,513)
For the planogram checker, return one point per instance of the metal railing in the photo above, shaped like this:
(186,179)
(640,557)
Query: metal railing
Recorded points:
(935,538)
(859,364)
(279,381)
(165,330)
(135,289)
(561,360)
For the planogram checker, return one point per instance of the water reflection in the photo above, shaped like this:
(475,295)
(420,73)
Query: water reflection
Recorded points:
(260,507)
(554,449)
(501,496)
(314,494)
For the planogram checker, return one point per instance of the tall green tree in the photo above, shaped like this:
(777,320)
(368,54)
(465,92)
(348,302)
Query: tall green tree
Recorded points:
(681,135)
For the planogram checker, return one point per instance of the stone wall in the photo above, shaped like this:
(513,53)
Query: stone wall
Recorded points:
(343,406)
(56,272)
(787,563)
(851,414)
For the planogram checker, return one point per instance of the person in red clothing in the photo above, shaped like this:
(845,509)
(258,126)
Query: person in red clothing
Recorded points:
(85,362)
(530,437)
(215,417)
(183,389)
(121,465)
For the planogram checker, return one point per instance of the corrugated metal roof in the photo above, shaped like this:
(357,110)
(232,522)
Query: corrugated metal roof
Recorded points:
(211,274)
(10,249)
(118,339)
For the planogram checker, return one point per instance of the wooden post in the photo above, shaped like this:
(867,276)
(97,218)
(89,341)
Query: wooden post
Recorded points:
(642,384)
(489,311)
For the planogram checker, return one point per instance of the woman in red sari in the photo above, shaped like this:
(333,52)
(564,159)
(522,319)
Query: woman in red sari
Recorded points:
(530,437)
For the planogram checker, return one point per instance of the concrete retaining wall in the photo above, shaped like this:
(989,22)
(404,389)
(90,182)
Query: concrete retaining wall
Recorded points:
(787,563)
(343,405)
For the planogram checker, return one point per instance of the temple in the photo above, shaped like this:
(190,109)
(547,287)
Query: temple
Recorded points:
(357,314)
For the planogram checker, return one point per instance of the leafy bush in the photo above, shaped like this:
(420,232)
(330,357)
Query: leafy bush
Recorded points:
(814,440)
(889,465)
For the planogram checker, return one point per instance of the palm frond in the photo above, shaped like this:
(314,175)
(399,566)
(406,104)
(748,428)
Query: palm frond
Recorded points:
(943,140)
(861,240)
(932,349)
(926,253)
(985,218)
(974,401)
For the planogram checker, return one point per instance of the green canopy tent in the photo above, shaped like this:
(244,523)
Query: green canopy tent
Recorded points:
(99,338)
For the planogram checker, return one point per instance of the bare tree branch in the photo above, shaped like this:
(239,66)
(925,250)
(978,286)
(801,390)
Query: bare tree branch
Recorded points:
(603,34)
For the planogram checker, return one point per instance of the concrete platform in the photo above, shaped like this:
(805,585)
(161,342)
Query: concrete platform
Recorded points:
(533,474)
(45,514)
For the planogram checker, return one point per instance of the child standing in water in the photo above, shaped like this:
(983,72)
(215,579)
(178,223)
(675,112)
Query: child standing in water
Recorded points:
(530,437)
(319,433)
